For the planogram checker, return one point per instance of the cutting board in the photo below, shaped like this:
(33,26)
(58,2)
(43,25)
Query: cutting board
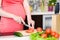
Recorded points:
(25,33)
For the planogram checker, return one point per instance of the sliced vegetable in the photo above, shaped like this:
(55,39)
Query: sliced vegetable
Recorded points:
(30,30)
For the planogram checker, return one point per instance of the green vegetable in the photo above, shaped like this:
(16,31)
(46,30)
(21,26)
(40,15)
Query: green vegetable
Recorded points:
(49,35)
(40,39)
(41,32)
(18,34)
(51,38)
(36,36)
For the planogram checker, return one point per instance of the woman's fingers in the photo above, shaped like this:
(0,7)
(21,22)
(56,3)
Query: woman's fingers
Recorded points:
(33,23)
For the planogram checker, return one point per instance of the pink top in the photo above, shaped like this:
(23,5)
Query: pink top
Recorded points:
(14,7)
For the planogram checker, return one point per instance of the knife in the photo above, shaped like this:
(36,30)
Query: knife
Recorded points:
(22,21)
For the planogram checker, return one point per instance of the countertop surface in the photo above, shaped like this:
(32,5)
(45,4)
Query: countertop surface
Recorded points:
(14,38)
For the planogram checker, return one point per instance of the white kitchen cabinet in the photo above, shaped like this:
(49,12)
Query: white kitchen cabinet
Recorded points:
(42,13)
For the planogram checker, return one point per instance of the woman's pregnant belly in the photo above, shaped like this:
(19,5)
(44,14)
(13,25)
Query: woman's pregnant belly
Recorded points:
(9,25)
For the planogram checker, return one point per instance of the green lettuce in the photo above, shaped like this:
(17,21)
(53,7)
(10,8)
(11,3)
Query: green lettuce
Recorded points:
(36,36)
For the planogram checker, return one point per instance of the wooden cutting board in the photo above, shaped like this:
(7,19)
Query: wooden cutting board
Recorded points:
(25,33)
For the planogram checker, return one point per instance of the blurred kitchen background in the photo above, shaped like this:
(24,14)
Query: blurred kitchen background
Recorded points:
(42,11)
(42,5)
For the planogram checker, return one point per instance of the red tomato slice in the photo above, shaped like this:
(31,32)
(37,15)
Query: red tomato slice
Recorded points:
(30,30)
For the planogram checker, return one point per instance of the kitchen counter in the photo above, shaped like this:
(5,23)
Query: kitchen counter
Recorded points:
(14,38)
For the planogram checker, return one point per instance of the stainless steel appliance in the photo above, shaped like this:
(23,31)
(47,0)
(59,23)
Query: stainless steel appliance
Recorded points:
(47,21)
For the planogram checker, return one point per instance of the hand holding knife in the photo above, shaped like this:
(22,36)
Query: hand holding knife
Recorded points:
(24,23)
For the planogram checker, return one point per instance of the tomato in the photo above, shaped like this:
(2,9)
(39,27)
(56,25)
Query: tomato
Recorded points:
(53,33)
(39,29)
(56,35)
(59,35)
(30,30)
(48,30)
(44,35)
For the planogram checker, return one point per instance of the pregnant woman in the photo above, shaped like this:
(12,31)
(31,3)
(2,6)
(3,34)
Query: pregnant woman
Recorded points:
(11,12)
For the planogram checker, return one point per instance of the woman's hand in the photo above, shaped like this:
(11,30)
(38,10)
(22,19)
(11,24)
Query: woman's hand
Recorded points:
(31,23)
(18,19)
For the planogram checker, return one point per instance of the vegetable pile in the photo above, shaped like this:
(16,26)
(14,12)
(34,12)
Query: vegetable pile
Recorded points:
(47,34)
